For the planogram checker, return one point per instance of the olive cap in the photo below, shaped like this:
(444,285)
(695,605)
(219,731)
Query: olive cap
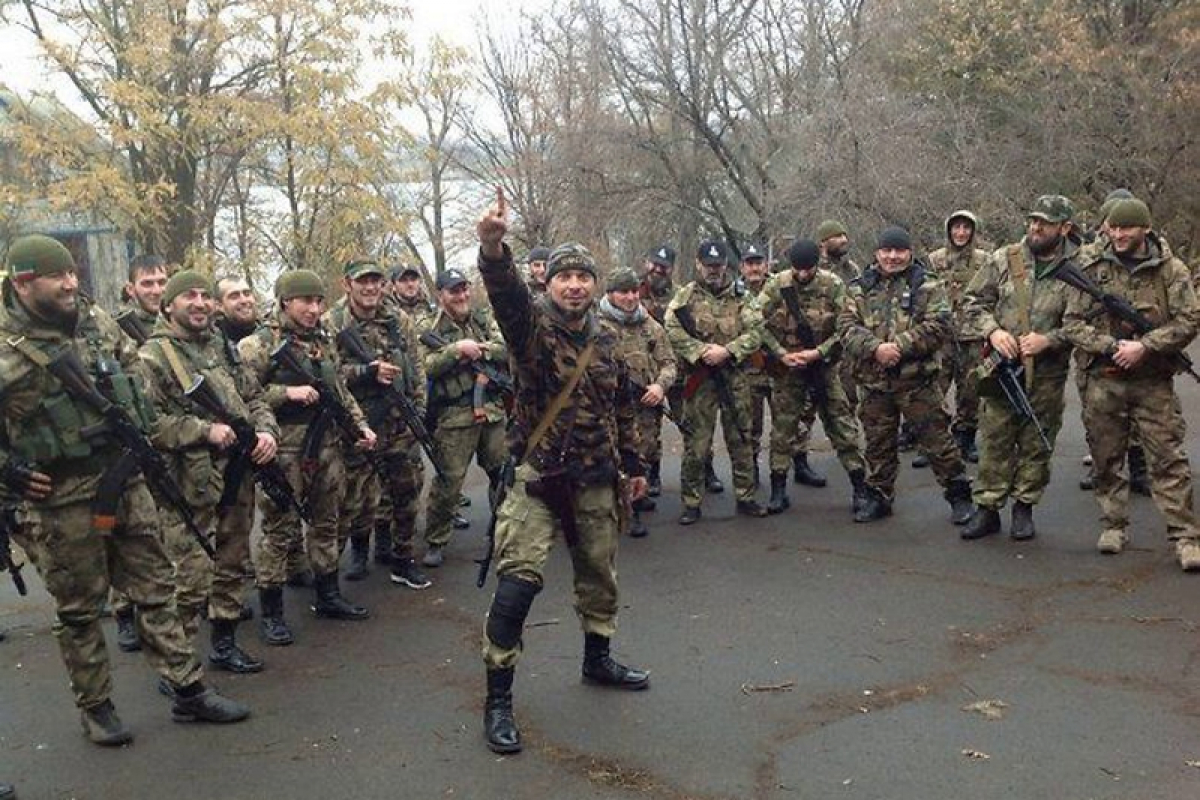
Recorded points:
(299,283)
(622,279)
(1051,207)
(36,256)
(1129,213)
(184,281)
(830,228)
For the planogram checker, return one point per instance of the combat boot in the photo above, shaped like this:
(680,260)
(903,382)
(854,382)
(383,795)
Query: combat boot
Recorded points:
(300,579)
(406,573)
(711,482)
(459,522)
(920,461)
(637,528)
(690,515)
(1022,522)
(806,475)
(331,605)
(874,506)
(779,500)
(383,543)
(599,668)
(984,522)
(226,655)
(750,508)
(654,479)
(499,726)
(434,556)
(858,482)
(272,626)
(360,551)
(958,495)
(195,703)
(103,727)
(907,439)
(966,445)
(1088,482)
(1139,479)
(128,640)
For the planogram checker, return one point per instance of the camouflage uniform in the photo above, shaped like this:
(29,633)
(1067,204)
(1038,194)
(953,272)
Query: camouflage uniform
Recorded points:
(463,431)
(199,468)
(730,318)
(1017,293)
(848,270)
(1161,288)
(758,383)
(910,309)
(78,561)
(954,267)
(655,301)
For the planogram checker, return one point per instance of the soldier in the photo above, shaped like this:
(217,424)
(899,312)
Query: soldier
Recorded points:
(309,451)
(536,261)
(1130,377)
(183,347)
(1016,305)
(809,349)
(409,292)
(727,331)
(753,279)
(391,336)
(834,242)
(643,347)
(893,328)
(954,266)
(573,433)
(459,346)
(58,455)
(656,291)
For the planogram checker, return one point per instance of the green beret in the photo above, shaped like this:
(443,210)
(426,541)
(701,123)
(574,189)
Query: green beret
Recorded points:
(1053,208)
(1129,213)
(184,281)
(358,267)
(299,283)
(622,279)
(38,256)
(830,228)
(570,256)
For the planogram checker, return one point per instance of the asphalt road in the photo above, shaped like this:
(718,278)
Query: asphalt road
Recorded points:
(800,656)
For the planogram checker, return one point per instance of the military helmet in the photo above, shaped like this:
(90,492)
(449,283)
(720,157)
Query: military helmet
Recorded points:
(299,283)
(36,256)
(570,256)
(1052,208)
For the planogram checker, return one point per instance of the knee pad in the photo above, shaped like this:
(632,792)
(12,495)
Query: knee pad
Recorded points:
(510,607)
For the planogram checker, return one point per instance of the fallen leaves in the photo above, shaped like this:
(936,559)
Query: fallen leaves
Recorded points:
(988,709)
(751,688)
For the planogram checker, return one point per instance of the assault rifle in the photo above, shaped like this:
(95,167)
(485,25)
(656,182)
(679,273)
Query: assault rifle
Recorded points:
(270,476)
(719,376)
(1010,374)
(8,524)
(813,374)
(502,382)
(138,453)
(132,325)
(638,390)
(1120,308)
(328,402)
(497,492)
(356,346)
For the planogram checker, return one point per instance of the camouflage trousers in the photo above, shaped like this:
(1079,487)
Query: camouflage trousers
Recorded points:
(700,412)
(457,447)
(1013,462)
(792,403)
(220,585)
(759,387)
(921,405)
(959,365)
(843,375)
(1112,407)
(652,447)
(322,484)
(525,533)
(79,564)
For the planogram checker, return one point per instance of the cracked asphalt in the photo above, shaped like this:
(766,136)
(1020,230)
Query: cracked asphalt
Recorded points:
(800,656)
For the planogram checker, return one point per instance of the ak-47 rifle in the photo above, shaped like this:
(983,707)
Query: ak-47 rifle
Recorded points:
(638,390)
(269,476)
(132,325)
(329,404)
(813,374)
(497,378)
(1120,308)
(8,524)
(138,453)
(497,491)
(357,347)
(1010,374)
(718,375)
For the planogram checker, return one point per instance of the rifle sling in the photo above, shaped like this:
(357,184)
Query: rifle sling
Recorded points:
(559,402)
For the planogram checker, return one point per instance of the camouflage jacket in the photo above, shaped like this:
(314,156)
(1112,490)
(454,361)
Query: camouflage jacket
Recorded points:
(822,300)
(44,426)
(655,301)
(596,433)
(183,426)
(392,337)
(642,345)
(1158,286)
(908,308)
(451,379)
(417,308)
(844,268)
(730,318)
(144,320)
(1010,292)
(318,346)
(955,268)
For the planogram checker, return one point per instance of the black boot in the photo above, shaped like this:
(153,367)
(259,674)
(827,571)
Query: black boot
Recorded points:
(637,528)
(459,522)
(1088,482)
(874,506)
(330,603)
(103,727)
(984,522)
(499,726)
(779,499)
(654,479)
(360,551)
(272,626)
(711,482)
(858,497)
(128,640)
(690,515)
(958,495)
(1139,479)
(920,461)
(600,669)
(966,445)
(226,654)
(805,475)
(300,579)
(383,543)
(1022,522)
(195,703)
(907,439)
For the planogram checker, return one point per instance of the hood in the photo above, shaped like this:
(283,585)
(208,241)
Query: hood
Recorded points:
(967,215)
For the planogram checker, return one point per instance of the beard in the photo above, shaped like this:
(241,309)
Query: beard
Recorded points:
(1044,247)
(55,314)
(837,251)
(659,281)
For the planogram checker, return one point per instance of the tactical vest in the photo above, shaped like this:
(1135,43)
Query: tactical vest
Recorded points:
(456,387)
(296,413)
